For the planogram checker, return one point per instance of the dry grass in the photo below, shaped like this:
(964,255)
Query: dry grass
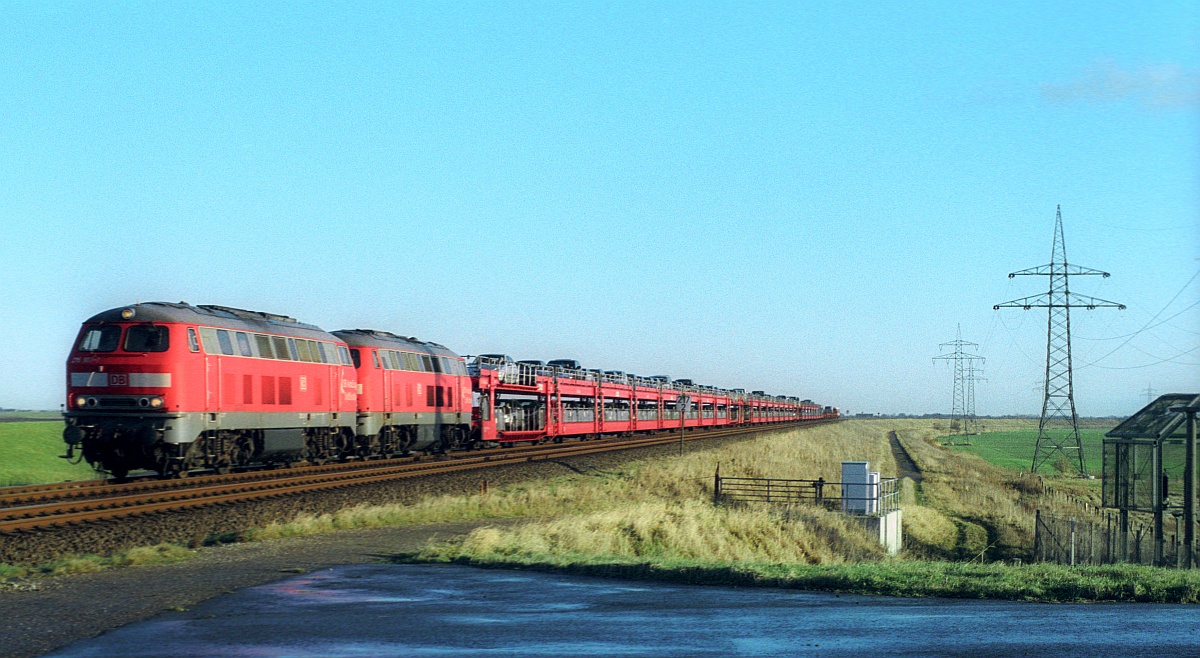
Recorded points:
(690,530)
(670,493)
(988,504)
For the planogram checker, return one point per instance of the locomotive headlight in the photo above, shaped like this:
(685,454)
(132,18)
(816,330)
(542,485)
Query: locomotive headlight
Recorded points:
(156,402)
(81,402)
(127,313)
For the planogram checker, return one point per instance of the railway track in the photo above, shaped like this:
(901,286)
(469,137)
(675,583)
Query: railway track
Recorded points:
(32,508)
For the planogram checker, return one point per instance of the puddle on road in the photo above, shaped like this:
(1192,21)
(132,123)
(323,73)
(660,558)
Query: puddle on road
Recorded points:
(440,610)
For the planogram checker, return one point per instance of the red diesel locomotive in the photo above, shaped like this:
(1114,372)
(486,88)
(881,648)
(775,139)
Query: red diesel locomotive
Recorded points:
(174,387)
(171,387)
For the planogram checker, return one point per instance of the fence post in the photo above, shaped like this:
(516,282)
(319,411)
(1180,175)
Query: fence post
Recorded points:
(1037,535)
(1091,543)
(1108,543)
(1072,541)
(717,485)
(1124,517)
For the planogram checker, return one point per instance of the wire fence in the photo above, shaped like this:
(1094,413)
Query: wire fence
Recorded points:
(1075,541)
(868,499)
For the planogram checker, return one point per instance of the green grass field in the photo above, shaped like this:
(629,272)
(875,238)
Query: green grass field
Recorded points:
(1014,449)
(29,455)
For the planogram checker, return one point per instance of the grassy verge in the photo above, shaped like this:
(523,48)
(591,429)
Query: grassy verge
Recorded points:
(29,454)
(1039,582)
(139,556)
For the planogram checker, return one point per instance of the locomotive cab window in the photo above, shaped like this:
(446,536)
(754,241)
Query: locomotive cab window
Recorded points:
(100,339)
(147,338)
(193,341)
(357,358)
(345,354)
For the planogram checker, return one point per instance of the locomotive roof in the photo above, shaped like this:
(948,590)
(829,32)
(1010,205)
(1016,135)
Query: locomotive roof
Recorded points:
(217,316)
(388,340)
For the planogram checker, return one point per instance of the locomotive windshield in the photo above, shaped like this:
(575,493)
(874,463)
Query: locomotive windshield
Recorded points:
(101,339)
(147,338)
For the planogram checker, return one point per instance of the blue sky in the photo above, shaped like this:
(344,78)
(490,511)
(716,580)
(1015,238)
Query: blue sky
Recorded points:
(801,197)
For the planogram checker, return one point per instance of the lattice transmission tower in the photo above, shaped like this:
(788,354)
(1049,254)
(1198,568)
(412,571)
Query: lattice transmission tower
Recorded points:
(972,375)
(1058,429)
(960,360)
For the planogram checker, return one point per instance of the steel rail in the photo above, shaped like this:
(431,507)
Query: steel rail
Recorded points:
(45,493)
(293,481)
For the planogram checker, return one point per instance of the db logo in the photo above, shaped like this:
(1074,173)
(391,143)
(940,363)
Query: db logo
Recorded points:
(118,380)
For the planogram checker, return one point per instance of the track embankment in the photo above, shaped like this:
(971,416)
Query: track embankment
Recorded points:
(177,511)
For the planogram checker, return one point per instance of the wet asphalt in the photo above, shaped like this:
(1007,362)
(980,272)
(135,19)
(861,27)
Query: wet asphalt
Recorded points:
(442,610)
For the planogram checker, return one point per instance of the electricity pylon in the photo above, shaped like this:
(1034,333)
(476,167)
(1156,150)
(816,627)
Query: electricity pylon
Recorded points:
(1150,393)
(1058,430)
(960,360)
(973,375)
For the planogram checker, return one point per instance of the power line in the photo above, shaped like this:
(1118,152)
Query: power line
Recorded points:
(1148,323)
(1159,324)
(1147,365)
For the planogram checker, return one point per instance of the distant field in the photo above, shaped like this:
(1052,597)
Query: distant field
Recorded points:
(29,455)
(11,416)
(1014,449)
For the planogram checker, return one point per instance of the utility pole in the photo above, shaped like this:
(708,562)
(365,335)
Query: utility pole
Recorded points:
(1058,430)
(960,360)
